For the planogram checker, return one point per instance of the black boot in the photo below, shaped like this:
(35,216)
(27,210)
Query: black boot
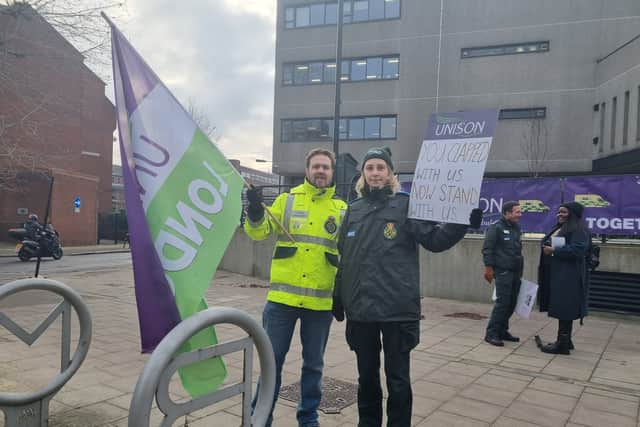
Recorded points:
(564,338)
(571,347)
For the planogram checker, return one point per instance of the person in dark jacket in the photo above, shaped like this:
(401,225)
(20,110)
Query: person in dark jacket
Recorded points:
(563,276)
(502,256)
(377,285)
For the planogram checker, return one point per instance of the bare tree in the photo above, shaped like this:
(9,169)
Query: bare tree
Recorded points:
(32,110)
(535,146)
(78,21)
(202,119)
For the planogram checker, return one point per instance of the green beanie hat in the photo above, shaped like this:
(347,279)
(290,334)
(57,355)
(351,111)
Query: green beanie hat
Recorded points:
(383,153)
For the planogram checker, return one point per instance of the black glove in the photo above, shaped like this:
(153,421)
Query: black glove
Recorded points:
(475,218)
(337,309)
(255,211)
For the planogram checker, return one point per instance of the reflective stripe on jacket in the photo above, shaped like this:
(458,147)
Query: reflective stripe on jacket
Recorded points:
(303,273)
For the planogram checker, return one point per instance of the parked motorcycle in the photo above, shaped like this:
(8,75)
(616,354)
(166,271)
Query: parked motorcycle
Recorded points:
(43,242)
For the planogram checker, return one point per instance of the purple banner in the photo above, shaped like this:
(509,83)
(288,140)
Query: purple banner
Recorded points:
(466,124)
(539,199)
(612,203)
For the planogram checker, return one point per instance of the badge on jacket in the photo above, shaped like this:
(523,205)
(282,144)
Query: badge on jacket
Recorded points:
(330,225)
(390,231)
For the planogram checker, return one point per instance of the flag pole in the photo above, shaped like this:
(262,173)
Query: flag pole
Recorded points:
(271,215)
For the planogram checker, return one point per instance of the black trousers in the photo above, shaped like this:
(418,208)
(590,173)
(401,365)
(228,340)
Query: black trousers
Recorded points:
(398,339)
(507,289)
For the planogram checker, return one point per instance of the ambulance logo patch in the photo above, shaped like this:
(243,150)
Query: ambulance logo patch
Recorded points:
(390,231)
(330,225)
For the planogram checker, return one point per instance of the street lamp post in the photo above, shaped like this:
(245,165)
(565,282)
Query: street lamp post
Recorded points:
(336,107)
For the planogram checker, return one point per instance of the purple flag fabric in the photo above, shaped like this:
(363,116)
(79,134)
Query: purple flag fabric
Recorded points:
(157,311)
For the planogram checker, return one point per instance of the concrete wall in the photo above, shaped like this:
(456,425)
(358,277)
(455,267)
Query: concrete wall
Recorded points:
(455,274)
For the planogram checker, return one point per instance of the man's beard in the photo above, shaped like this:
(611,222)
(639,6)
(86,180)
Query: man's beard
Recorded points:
(319,182)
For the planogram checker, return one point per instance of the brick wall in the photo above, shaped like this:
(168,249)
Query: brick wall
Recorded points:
(65,123)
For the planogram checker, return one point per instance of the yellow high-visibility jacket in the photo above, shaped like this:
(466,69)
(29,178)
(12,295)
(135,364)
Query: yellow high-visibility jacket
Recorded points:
(303,273)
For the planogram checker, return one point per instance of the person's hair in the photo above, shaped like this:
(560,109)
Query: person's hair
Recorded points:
(508,206)
(321,152)
(393,183)
(572,224)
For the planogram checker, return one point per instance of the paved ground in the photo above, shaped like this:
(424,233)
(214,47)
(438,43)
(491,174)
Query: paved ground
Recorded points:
(458,380)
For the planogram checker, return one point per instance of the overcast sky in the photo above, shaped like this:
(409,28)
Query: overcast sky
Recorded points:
(218,53)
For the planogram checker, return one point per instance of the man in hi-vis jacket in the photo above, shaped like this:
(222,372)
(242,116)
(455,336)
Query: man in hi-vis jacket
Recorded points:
(302,273)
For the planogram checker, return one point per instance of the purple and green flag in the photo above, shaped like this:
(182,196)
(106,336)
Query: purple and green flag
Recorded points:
(183,203)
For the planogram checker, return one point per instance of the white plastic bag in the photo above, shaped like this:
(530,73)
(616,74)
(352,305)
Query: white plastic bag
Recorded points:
(526,298)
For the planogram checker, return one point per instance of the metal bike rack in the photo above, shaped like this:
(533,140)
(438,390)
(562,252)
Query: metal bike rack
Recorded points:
(32,409)
(163,363)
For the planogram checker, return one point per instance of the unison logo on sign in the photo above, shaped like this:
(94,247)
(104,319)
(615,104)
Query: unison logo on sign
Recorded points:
(457,126)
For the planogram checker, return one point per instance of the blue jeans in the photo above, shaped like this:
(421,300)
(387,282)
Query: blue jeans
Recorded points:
(279,321)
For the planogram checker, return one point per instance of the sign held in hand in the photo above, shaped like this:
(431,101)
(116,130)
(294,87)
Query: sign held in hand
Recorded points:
(448,176)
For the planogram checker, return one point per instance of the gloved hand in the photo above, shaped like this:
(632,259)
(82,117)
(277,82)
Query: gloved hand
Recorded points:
(255,210)
(337,309)
(475,218)
(488,274)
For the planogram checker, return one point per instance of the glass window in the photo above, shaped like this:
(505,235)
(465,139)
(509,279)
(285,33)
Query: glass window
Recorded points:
(391,9)
(614,108)
(346,12)
(374,68)
(302,16)
(625,120)
(299,130)
(315,72)
(388,127)
(331,14)
(511,49)
(390,68)
(358,69)
(356,128)
(290,17)
(637,116)
(343,129)
(603,108)
(286,131)
(287,74)
(372,128)
(326,129)
(314,128)
(376,9)
(329,72)
(301,74)
(344,70)
(317,14)
(523,113)
(360,10)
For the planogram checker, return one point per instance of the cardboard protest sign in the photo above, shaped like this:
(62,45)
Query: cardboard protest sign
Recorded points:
(448,176)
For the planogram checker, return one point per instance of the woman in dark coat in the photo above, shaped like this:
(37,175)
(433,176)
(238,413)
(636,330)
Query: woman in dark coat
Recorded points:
(563,276)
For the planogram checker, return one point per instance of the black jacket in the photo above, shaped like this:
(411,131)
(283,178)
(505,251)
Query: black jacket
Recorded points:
(564,278)
(502,248)
(378,276)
